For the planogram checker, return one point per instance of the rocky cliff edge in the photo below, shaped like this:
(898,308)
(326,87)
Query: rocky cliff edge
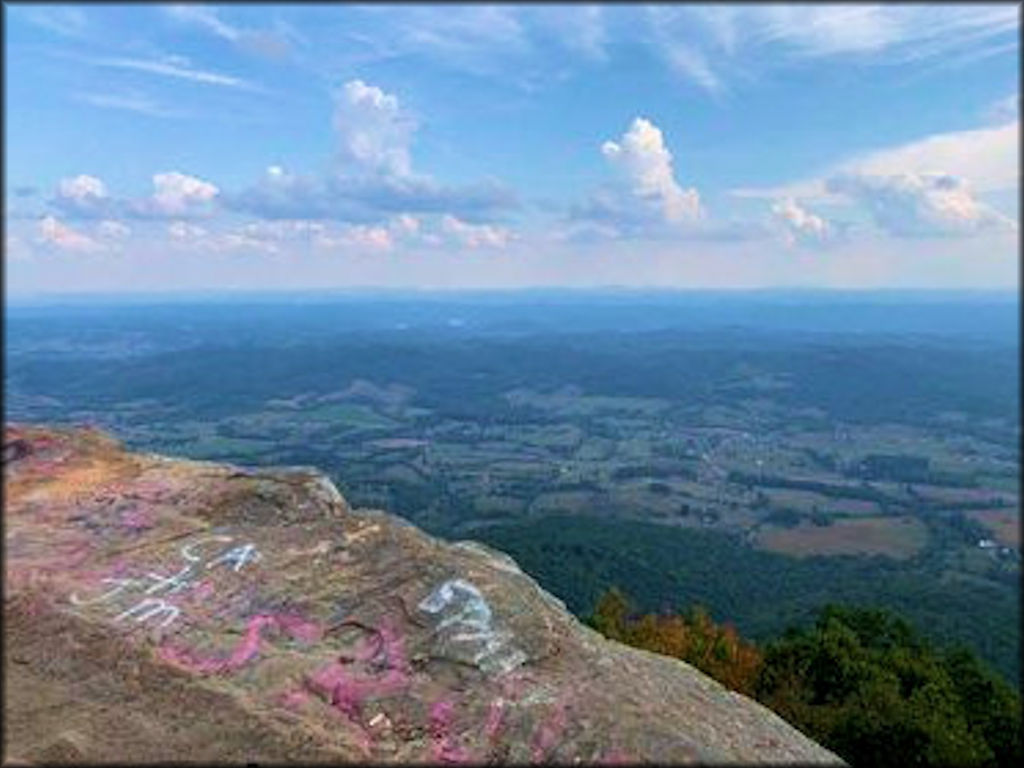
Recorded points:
(158,609)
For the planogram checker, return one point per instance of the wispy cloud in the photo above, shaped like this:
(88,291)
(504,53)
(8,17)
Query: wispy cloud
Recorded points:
(206,17)
(739,40)
(63,20)
(272,43)
(130,102)
(179,68)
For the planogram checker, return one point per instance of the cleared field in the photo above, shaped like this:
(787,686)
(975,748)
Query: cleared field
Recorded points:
(958,495)
(1004,524)
(209,446)
(565,501)
(307,420)
(807,501)
(497,506)
(396,443)
(896,537)
(571,404)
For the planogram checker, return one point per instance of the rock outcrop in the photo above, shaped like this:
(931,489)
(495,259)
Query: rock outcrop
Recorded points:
(159,609)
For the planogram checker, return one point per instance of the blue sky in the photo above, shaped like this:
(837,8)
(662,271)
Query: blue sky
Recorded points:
(197,147)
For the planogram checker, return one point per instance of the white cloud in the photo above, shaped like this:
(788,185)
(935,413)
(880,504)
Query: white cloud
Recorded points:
(887,33)
(206,17)
(83,196)
(132,102)
(754,39)
(692,64)
(240,241)
(355,237)
(67,21)
(646,162)
(475,235)
(473,38)
(828,30)
(800,226)
(284,229)
(176,67)
(113,230)
(373,177)
(916,205)
(374,238)
(988,158)
(53,232)
(82,187)
(175,195)
(183,231)
(374,133)
(273,44)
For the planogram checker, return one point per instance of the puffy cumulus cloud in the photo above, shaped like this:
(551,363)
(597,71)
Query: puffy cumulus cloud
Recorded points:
(374,132)
(646,162)
(919,205)
(175,195)
(55,233)
(82,196)
(373,177)
(800,226)
(475,235)
(81,187)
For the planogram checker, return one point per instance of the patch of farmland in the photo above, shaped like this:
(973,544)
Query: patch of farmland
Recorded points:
(896,537)
(574,502)
(1004,524)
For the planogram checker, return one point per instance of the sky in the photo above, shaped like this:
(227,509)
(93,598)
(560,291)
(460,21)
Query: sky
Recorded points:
(262,147)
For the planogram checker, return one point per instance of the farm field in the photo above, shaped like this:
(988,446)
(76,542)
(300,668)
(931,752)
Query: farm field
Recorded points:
(896,537)
(1004,524)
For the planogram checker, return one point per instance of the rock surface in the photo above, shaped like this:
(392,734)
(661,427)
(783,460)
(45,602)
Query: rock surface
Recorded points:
(159,609)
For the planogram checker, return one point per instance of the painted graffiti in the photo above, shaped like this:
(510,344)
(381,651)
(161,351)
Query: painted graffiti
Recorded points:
(150,607)
(445,749)
(466,618)
(377,668)
(246,650)
(155,588)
